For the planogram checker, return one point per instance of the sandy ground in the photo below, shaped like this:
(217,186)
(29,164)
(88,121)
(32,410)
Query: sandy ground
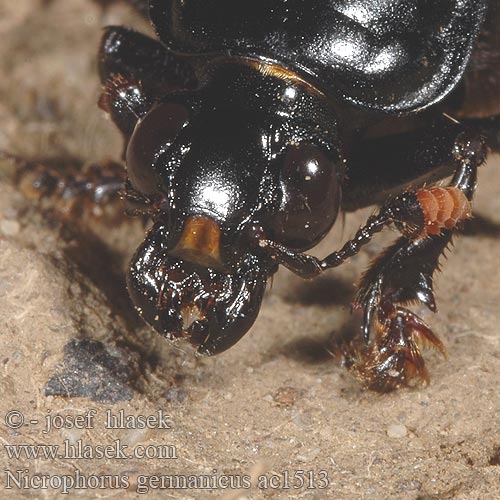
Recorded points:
(277,406)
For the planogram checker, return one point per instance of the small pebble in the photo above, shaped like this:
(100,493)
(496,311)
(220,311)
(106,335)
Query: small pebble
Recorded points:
(410,485)
(397,431)
(301,421)
(495,457)
(17,356)
(10,227)
(309,457)
(175,394)
(286,396)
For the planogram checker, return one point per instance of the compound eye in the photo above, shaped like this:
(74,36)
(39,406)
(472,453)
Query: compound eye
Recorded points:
(310,196)
(152,136)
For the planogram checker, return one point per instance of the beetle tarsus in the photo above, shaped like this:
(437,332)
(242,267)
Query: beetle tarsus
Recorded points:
(394,359)
(69,186)
(403,274)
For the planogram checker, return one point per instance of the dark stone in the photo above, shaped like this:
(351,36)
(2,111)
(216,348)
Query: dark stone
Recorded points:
(91,369)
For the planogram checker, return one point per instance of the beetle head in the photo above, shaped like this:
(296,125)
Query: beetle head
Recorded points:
(245,157)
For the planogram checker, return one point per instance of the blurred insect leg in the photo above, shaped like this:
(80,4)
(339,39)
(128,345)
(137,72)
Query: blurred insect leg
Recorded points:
(68,186)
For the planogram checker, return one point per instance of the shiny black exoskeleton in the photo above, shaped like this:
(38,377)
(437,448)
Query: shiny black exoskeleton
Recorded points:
(250,125)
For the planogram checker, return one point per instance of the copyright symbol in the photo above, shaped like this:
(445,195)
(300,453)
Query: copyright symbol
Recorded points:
(14,419)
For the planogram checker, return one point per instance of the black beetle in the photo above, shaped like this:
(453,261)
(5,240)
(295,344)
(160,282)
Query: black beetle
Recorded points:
(249,125)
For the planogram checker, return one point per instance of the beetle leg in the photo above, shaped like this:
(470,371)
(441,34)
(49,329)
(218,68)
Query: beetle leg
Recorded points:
(69,185)
(135,71)
(403,273)
(308,266)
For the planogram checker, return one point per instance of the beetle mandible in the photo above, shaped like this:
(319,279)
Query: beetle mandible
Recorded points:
(249,126)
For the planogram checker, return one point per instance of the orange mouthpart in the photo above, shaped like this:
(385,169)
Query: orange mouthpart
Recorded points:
(200,242)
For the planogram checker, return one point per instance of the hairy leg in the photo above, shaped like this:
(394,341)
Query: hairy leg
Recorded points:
(403,273)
